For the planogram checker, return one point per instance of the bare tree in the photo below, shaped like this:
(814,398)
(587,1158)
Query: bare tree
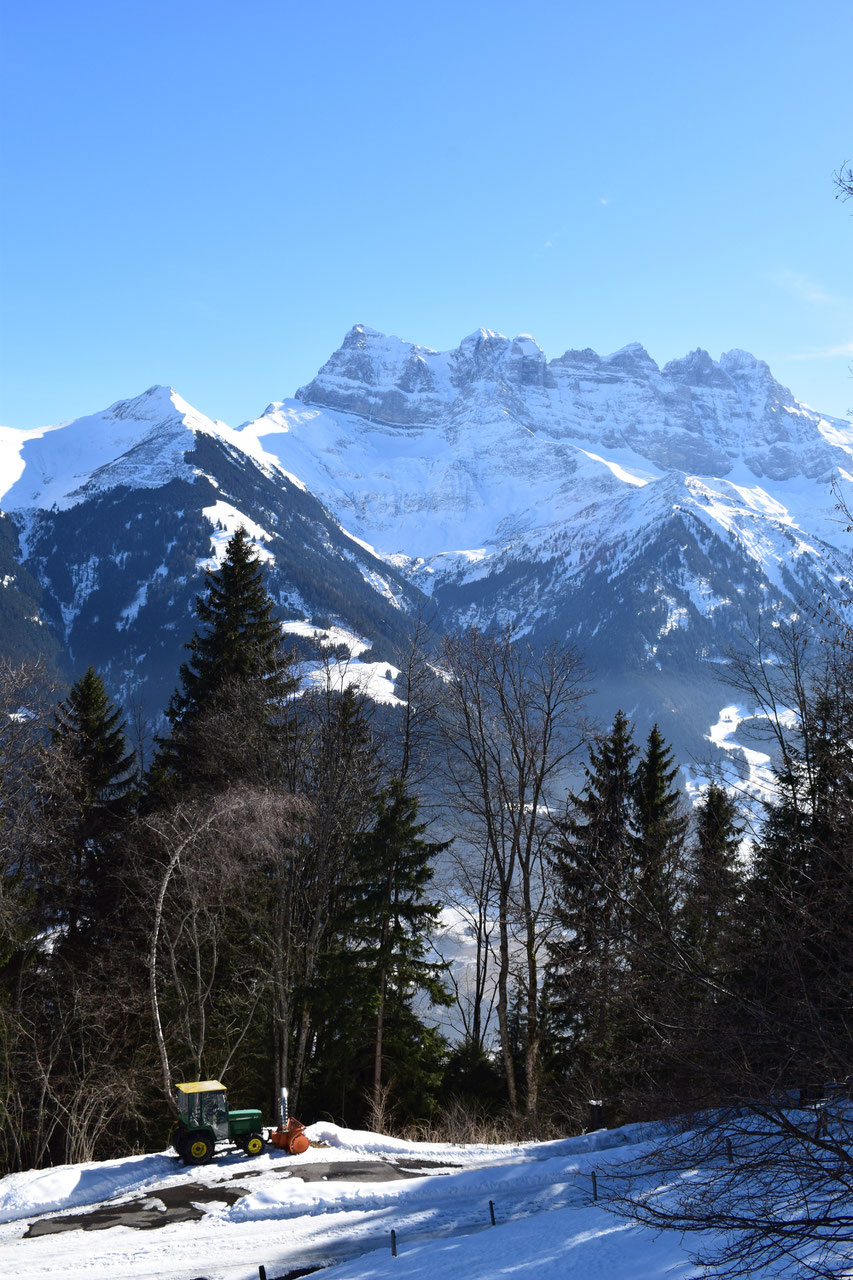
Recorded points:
(510,722)
(203,911)
(763,1186)
(27,695)
(468,886)
(419,687)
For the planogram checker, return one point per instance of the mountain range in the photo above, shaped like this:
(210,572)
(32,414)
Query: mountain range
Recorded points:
(648,515)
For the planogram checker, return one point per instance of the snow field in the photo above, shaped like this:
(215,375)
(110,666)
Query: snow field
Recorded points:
(541,1193)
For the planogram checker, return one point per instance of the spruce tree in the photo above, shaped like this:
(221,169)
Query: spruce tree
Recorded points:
(661,825)
(591,860)
(338,776)
(714,880)
(381,964)
(708,950)
(226,717)
(653,888)
(798,910)
(91,776)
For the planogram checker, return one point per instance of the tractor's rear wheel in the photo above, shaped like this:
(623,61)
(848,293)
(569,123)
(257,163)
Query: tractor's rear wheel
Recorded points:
(253,1145)
(197,1148)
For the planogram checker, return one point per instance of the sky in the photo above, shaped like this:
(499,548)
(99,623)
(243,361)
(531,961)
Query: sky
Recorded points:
(209,194)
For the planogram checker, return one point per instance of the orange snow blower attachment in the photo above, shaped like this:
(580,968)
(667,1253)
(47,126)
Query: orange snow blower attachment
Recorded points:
(290,1136)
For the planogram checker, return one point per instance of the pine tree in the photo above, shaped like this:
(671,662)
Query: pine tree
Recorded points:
(705,954)
(714,880)
(380,963)
(91,774)
(591,860)
(226,718)
(798,910)
(661,826)
(652,891)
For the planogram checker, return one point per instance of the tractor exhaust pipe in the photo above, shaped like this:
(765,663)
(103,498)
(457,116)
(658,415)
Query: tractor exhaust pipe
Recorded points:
(290,1135)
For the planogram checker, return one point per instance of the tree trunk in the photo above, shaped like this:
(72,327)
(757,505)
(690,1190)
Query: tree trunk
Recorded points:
(503,1005)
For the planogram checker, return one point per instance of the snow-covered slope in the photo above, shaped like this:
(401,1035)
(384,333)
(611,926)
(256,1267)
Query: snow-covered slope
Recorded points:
(538,1210)
(141,443)
(305,1213)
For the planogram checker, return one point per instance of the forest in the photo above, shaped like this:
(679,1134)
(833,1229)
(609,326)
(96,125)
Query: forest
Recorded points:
(258,897)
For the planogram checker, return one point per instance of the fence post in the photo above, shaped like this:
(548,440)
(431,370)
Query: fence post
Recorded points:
(393,1243)
(594,1186)
(492,1211)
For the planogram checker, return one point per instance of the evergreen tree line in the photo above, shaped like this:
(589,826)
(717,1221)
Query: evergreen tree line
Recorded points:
(684,976)
(748,1027)
(259,902)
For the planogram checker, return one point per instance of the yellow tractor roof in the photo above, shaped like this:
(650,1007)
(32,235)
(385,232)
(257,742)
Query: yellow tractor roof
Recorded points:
(201,1086)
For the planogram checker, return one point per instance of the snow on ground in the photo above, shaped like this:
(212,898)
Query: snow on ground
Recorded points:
(273,1214)
(758,784)
(329,637)
(375,680)
(226,520)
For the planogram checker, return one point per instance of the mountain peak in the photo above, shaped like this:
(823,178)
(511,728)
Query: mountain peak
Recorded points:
(633,357)
(526,346)
(134,442)
(697,369)
(147,404)
(737,362)
(480,336)
(358,333)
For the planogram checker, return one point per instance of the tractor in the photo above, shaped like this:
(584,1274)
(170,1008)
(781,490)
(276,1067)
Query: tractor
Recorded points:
(204,1120)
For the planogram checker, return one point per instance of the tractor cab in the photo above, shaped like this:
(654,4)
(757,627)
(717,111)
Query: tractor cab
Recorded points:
(204,1120)
(203,1104)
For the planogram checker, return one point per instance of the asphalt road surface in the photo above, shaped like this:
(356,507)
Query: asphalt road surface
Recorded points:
(188,1202)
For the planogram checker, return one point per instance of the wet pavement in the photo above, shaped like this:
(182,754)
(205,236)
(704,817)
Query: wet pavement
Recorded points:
(190,1201)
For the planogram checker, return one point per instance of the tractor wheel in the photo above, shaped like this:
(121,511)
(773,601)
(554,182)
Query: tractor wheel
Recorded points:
(175,1138)
(254,1144)
(198,1148)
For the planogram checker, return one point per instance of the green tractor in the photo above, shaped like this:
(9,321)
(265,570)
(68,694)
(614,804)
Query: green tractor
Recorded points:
(204,1120)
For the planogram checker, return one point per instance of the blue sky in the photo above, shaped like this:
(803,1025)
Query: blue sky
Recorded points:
(211,194)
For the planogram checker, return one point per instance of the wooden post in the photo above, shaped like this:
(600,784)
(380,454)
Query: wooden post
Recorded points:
(393,1243)
(492,1212)
(594,1186)
(729,1152)
(262,1273)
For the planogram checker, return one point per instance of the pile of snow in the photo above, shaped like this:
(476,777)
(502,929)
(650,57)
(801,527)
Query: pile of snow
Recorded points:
(68,1186)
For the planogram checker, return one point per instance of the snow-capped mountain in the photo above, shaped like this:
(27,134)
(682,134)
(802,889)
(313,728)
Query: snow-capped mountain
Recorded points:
(647,514)
(427,453)
(110,521)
